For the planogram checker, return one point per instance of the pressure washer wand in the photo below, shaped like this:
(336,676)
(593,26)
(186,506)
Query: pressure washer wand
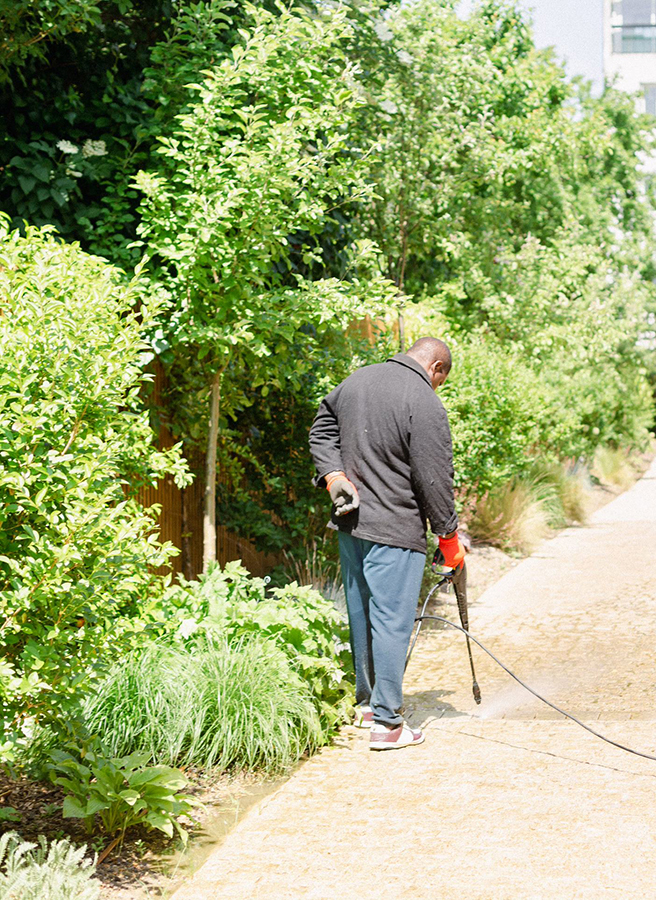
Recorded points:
(459,581)
(457,577)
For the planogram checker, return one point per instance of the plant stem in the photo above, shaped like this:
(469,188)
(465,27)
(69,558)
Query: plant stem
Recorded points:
(108,849)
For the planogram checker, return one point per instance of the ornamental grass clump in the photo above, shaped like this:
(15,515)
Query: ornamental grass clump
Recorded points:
(519,514)
(611,468)
(258,713)
(566,490)
(229,604)
(207,704)
(511,517)
(312,568)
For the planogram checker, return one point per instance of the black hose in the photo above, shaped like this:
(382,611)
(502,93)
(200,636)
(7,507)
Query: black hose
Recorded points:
(526,686)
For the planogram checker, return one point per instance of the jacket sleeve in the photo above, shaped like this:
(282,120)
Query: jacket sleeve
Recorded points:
(324,439)
(431,463)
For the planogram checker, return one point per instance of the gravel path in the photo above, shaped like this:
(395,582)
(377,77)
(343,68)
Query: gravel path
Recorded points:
(506,801)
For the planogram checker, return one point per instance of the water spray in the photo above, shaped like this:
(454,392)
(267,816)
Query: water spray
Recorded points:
(458,578)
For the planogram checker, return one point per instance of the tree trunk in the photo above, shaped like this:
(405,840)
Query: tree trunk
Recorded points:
(400,284)
(186,536)
(401,333)
(209,517)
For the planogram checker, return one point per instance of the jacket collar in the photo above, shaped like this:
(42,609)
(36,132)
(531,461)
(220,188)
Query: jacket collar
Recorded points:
(404,360)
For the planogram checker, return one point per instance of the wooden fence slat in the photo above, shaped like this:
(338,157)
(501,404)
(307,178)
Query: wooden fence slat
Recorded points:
(182,514)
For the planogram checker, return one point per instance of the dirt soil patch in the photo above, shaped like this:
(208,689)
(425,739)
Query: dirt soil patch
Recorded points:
(149,864)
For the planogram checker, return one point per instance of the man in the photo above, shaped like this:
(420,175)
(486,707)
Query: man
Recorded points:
(382,447)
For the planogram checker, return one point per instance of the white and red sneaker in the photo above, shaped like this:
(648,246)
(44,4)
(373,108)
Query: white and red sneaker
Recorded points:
(384,737)
(364,718)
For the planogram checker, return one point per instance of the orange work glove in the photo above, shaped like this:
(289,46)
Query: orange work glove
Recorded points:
(343,493)
(453,551)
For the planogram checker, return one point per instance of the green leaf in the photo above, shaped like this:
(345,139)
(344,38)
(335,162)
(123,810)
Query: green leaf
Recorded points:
(26,182)
(71,809)
(160,822)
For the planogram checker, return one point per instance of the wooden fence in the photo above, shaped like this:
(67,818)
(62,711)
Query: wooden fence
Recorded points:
(181,514)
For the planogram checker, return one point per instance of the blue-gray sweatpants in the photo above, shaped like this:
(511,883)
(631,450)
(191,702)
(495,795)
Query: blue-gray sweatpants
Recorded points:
(382,587)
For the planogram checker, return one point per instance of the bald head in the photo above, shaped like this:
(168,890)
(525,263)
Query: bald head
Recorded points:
(430,350)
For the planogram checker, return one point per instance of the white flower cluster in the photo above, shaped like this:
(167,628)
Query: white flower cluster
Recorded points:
(389,106)
(67,147)
(94,148)
(383,33)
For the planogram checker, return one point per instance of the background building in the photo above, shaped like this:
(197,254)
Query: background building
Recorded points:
(630,47)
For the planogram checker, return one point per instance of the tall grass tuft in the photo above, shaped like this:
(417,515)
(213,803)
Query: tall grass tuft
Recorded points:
(212,705)
(324,575)
(41,872)
(566,491)
(611,467)
(511,517)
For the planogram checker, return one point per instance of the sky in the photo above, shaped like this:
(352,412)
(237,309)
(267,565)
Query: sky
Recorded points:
(573,28)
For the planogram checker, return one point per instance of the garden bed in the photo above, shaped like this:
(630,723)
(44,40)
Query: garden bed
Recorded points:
(148,864)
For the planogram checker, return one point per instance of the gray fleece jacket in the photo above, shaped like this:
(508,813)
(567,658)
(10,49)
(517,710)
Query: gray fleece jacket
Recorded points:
(387,430)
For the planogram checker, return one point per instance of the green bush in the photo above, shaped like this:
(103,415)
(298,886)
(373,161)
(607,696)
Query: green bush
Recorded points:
(229,603)
(76,548)
(41,872)
(495,404)
(207,704)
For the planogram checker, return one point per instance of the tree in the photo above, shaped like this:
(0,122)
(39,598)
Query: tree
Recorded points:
(428,95)
(254,170)
(511,204)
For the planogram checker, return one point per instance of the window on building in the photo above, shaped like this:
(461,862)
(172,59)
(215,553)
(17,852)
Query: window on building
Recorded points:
(634,26)
(650,98)
(637,12)
(634,39)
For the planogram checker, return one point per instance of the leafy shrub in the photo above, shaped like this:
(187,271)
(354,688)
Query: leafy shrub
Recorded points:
(208,704)
(571,313)
(9,814)
(124,79)
(231,604)
(123,791)
(75,546)
(495,404)
(38,872)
